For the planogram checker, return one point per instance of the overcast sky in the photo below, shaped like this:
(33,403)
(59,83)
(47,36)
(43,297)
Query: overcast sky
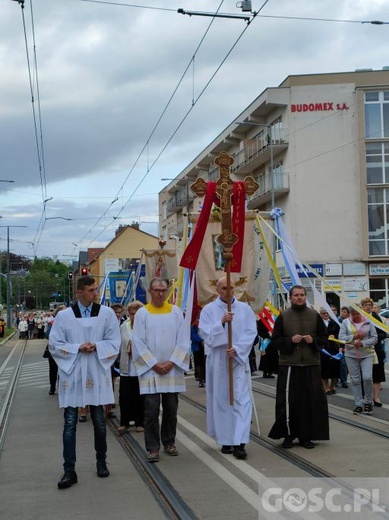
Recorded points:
(106,73)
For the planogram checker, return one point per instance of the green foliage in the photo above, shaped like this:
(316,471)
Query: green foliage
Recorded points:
(34,290)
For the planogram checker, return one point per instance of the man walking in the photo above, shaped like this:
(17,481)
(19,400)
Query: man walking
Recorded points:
(160,353)
(84,341)
(301,404)
(230,425)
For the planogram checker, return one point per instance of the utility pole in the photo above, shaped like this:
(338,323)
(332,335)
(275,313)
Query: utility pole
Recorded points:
(9,324)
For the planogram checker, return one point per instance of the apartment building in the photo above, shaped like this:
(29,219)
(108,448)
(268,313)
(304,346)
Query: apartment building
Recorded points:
(318,145)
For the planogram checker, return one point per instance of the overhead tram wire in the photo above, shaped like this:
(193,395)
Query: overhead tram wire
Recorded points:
(180,124)
(307,18)
(155,127)
(184,118)
(130,5)
(38,135)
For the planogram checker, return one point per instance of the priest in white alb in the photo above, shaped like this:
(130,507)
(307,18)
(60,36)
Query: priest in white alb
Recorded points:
(84,342)
(229,424)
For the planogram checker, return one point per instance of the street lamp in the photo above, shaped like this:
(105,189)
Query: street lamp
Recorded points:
(61,218)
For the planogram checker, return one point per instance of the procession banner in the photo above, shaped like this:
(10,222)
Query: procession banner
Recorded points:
(161,263)
(251,282)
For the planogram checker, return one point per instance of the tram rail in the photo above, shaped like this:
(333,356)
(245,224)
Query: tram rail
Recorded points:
(335,416)
(167,497)
(9,381)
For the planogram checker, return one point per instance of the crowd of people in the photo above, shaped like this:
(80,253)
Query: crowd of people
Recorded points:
(33,325)
(146,347)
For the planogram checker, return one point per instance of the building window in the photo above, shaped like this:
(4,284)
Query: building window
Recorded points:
(379,291)
(378,212)
(278,175)
(376,115)
(377,163)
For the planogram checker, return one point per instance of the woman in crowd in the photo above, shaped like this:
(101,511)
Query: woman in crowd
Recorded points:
(360,337)
(330,367)
(378,368)
(22,327)
(131,403)
(53,368)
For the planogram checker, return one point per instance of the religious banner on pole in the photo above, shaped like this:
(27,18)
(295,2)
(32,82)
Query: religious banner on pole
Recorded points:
(251,282)
(159,263)
(230,196)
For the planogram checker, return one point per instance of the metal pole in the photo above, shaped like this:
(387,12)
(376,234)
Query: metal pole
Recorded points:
(8,284)
(9,290)
(273,281)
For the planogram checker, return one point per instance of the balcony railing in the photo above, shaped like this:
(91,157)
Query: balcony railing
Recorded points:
(179,200)
(264,192)
(255,152)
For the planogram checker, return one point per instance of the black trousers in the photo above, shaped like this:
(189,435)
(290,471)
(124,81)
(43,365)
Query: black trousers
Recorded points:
(169,420)
(131,403)
(53,373)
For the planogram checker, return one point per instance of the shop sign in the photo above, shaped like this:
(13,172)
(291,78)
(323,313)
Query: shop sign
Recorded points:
(355,284)
(333,285)
(379,269)
(326,106)
(333,270)
(354,269)
(305,272)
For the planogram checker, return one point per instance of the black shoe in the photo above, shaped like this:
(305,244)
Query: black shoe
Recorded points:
(357,410)
(288,443)
(227,450)
(368,409)
(102,470)
(344,385)
(51,392)
(201,384)
(112,415)
(68,479)
(377,403)
(82,418)
(239,452)
(308,445)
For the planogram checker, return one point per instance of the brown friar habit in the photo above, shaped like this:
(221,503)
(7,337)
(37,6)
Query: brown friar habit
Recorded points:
(301,403)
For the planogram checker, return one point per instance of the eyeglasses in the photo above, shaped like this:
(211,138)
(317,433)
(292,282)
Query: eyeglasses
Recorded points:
(160,291)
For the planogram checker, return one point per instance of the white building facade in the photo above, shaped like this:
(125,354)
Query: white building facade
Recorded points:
(319,147)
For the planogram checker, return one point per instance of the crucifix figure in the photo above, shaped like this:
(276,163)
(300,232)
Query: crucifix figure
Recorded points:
(227,238)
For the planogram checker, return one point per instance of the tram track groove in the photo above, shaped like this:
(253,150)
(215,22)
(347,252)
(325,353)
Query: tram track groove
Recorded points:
(299,462)
(170,501)
(336,417)
(8,395)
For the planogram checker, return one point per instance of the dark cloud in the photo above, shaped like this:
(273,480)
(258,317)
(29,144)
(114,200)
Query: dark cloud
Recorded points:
(106,73)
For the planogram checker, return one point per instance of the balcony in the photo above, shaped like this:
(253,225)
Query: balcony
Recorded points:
(264,192)
(255,153)
(179,200)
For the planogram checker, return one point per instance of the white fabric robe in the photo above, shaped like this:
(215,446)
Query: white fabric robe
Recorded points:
(85,378)
(230,425)
(159,337)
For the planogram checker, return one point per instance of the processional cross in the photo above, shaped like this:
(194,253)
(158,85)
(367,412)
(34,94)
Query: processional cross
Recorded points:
(225,190)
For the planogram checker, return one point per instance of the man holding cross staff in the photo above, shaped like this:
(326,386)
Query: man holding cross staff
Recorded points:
(227,326)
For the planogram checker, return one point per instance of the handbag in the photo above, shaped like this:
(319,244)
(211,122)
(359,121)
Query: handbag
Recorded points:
(46,352)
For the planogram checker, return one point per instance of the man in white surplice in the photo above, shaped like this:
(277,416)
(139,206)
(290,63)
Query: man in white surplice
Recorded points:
(84,342)
(230,425)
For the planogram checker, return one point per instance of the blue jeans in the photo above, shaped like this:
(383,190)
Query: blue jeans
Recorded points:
(69,435)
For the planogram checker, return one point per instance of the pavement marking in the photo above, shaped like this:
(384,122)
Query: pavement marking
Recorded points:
(221,471)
